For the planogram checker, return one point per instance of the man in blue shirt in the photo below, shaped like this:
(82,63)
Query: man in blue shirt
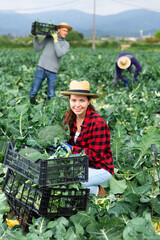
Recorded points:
(126,61)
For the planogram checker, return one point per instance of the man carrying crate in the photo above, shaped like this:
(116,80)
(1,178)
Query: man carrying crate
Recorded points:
(54,48)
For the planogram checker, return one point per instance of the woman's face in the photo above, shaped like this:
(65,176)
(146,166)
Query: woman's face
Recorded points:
(79,104)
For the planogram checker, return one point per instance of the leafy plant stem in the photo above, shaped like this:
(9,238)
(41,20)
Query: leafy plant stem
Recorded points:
(122,97)
(104,234)
(123,123)
(137,87)
(135,165)
(124,219)
(144,117)
(118,162)
(4,133)
(41,226)
(131,177)
(133,189)
(20,124)
(153,184)
(1,238)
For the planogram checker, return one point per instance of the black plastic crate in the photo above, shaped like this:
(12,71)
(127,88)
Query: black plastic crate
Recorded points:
(39,28)
(44,201)
(22,214)
(50,171)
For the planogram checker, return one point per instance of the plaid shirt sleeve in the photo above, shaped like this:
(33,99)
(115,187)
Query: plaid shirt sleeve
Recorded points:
(95,140)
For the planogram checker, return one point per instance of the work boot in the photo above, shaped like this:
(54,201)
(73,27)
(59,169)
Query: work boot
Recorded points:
(101,191)
(32,100)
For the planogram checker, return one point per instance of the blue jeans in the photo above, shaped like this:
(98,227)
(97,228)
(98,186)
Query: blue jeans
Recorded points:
(40,76)
(96,177)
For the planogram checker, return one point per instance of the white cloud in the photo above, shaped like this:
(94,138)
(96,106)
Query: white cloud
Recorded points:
(103,7)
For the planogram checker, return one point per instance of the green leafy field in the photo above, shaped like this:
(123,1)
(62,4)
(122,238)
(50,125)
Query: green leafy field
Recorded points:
(133,116)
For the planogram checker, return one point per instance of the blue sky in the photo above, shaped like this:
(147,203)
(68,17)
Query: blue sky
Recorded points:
(103,7)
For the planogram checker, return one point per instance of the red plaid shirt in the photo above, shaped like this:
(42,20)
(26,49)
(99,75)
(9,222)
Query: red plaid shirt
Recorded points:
(94,138)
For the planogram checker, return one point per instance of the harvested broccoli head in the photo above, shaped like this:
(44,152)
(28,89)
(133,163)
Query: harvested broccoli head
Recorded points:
(32,154)
(48,134)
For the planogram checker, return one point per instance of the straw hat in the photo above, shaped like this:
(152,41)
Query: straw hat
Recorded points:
(124,62)
(80,88)
(64,25)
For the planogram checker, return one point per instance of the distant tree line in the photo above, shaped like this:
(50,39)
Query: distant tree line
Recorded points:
(74,36)
(157,34)
(77,40)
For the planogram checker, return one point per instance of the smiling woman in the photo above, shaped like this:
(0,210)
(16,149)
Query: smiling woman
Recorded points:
(79,105)
(89,132)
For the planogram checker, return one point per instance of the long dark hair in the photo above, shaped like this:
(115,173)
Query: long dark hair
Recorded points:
(70,115)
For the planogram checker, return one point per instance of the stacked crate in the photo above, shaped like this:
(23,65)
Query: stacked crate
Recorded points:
(42,188)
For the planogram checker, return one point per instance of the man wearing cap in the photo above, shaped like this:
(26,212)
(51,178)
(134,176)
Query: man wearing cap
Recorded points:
(126,61)
(54,47)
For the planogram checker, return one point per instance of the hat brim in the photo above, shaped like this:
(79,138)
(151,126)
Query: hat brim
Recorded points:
(65,26)
(92,95)
(121,66)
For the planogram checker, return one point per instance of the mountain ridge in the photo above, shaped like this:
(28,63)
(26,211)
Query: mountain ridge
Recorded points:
(125,24)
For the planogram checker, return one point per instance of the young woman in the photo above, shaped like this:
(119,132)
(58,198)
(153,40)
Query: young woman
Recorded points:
(89,132)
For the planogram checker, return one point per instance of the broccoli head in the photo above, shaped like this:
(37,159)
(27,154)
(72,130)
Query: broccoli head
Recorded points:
(47,135)
(32,154)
